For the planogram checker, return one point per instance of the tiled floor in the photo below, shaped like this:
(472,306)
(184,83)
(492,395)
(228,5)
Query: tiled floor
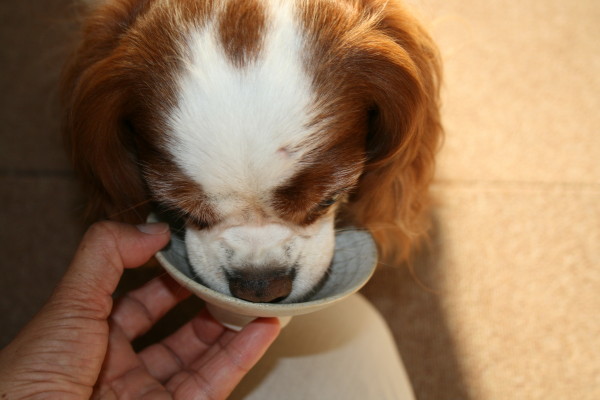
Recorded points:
(504,303)
(519,196)
(38,197)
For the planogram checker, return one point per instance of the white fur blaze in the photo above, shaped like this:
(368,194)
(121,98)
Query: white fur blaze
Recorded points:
(231,123)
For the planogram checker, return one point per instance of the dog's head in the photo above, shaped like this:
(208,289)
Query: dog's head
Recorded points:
(264,124)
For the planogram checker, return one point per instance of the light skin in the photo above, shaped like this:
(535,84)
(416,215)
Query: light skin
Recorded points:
(79,344)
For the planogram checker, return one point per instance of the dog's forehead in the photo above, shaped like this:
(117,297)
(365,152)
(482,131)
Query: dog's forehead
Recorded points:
(243,126)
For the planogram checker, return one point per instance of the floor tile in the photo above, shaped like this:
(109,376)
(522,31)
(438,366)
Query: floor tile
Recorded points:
(521,89)
(39,234)
(35,41)
(519,287)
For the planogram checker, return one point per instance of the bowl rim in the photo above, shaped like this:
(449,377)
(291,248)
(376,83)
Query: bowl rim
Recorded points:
(248,308)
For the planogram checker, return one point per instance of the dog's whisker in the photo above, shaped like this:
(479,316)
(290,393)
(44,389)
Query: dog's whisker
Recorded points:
(116,215)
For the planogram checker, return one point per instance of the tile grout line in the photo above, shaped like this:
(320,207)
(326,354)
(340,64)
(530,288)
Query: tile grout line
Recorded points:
(523,184)
(35,173)
(41,173)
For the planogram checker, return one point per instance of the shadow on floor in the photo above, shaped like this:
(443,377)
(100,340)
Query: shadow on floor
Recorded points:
(412,307)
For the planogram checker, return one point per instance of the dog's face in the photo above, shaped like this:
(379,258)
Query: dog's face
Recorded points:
(264,169)
(256,122)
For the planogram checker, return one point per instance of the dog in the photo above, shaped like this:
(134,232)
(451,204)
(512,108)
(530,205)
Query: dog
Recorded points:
(265,125)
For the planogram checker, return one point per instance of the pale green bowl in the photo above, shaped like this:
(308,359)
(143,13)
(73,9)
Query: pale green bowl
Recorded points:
(353,265)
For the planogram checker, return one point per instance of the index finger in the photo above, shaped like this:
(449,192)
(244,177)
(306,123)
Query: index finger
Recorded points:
(218,371)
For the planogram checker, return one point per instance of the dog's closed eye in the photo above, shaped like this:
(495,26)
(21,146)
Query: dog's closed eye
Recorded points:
(331,200)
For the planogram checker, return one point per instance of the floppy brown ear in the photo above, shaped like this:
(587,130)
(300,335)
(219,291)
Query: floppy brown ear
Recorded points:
(96,104)
(402,71)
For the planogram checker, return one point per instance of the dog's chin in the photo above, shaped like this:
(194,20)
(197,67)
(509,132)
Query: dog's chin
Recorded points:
(300,264)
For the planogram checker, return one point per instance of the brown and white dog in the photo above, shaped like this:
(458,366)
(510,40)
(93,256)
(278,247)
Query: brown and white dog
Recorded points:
(265,124)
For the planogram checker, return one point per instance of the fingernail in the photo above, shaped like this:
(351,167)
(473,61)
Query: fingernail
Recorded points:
(157,228)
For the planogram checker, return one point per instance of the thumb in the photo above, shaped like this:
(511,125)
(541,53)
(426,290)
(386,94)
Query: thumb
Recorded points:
(63,346)
(106,250)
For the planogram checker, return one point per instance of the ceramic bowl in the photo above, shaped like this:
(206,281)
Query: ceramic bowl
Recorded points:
(354,262)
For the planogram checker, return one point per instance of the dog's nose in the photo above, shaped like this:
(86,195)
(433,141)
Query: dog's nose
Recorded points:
(268,286)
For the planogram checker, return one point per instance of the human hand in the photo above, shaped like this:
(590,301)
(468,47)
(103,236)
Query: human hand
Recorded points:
(78,345)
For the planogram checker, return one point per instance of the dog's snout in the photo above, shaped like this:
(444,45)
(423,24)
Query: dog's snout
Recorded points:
(266,286)
(243,238)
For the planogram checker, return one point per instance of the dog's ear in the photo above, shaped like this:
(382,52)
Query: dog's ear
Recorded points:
(96,106)
(401,71)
